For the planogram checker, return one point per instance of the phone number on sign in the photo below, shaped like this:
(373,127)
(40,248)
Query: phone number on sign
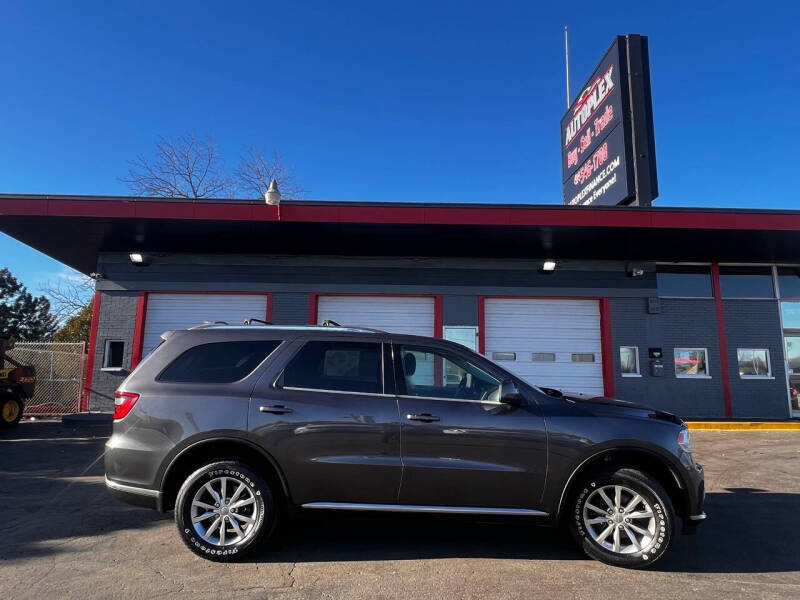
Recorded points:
(590,166)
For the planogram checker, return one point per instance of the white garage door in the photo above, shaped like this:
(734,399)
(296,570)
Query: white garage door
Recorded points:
(552,343)
(413,316)
(167,312)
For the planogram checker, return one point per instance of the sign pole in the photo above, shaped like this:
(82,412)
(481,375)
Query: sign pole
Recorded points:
(566,59)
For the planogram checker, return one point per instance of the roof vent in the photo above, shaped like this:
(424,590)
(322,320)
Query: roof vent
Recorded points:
(273,195)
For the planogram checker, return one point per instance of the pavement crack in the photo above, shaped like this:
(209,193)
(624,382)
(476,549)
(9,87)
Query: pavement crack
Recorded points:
(290,574)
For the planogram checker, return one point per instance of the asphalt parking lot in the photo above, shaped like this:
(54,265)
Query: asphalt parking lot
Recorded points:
(63,536)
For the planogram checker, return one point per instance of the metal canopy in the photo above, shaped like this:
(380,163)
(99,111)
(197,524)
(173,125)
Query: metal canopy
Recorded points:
(75,230)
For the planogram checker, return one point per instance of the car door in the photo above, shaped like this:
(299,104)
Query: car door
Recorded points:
(325,415)
(461,447)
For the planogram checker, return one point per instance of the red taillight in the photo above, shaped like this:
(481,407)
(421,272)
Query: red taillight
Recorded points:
(123,403)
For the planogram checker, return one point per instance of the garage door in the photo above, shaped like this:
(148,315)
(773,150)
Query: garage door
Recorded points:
(167,312)
(413,316)
(552,343)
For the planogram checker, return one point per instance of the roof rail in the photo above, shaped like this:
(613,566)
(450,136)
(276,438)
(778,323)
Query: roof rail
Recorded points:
(249,321)
(205,324)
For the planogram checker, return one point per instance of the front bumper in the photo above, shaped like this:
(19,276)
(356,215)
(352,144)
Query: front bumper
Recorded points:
(134,495)
(697,497)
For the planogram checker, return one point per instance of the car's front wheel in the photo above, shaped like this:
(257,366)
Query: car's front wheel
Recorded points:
(623,517)
(224,510)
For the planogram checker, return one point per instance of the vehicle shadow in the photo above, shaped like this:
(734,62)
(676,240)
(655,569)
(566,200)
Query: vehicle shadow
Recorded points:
(738,518)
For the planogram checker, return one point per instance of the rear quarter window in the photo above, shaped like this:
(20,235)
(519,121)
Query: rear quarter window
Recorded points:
(218,362)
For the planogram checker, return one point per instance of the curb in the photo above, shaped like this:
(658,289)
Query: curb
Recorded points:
(88,420)
(744,425)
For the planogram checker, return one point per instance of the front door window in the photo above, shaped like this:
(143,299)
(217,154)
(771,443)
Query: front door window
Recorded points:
(433,373)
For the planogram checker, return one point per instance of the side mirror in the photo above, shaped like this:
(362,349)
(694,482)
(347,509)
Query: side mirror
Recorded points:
(510,394)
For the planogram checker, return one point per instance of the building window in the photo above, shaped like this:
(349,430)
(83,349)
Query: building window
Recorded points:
(629,361)
(753,363)
(113,354)
(789,282)
(543,357)
(684,282)
(466,336)
(504,356)
(746,282)
(691,362)
(586,357)
(790,315)
(220,362)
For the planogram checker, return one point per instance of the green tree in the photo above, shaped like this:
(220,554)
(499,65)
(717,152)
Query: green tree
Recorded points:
(23,316)
(76,328)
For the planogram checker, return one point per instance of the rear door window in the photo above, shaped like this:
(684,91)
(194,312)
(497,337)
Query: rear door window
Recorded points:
(219,362)
(336,366)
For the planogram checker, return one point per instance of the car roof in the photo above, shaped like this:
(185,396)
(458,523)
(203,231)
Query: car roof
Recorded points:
(300,330)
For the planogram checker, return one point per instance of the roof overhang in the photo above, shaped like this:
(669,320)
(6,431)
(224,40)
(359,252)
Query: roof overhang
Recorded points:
(76,229)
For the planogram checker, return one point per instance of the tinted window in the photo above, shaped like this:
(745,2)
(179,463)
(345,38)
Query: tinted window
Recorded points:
(339,366)
(684,282)
(789,282)
(221,362)
(746,282)
(437,373)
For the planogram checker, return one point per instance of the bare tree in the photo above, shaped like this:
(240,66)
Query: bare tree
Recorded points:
(69,294)
(184,167)
(256,171)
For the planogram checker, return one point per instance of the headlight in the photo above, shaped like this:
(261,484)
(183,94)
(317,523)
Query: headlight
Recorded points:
(685,441)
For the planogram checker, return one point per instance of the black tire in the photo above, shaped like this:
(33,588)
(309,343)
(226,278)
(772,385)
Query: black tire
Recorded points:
(10,411)
(653,494)
(264,510)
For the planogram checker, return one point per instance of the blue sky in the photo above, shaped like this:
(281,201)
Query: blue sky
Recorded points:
(389,101)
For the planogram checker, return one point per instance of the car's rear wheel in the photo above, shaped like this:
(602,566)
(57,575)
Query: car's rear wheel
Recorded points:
(10,411)
(623,518)
(224,510)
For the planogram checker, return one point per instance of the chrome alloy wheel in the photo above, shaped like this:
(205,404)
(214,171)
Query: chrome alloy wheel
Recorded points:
(619,519)
(224,511)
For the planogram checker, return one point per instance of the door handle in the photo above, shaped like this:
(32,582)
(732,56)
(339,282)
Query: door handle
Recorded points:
(278,409)
(424,417)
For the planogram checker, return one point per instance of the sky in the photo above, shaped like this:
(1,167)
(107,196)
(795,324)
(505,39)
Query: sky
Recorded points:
(433,101)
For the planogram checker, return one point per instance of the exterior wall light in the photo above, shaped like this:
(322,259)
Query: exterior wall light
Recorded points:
(138,259)
(549,266)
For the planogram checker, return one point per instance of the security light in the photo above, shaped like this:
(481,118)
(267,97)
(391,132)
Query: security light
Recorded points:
(549,266)
(137,258)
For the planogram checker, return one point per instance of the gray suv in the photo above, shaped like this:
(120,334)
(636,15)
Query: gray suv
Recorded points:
(238,427)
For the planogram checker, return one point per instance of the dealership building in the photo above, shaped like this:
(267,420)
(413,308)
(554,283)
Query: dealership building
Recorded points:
(694,311)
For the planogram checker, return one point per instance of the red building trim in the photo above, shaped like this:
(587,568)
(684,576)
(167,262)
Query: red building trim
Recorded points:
(482,325)
(138,329)
(723,343)
(87,386)
(313,308)
(438,319)
(607,347)
(128,208)
(438,316)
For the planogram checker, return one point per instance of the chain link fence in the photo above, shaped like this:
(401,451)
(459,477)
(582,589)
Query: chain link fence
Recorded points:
(60,370)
